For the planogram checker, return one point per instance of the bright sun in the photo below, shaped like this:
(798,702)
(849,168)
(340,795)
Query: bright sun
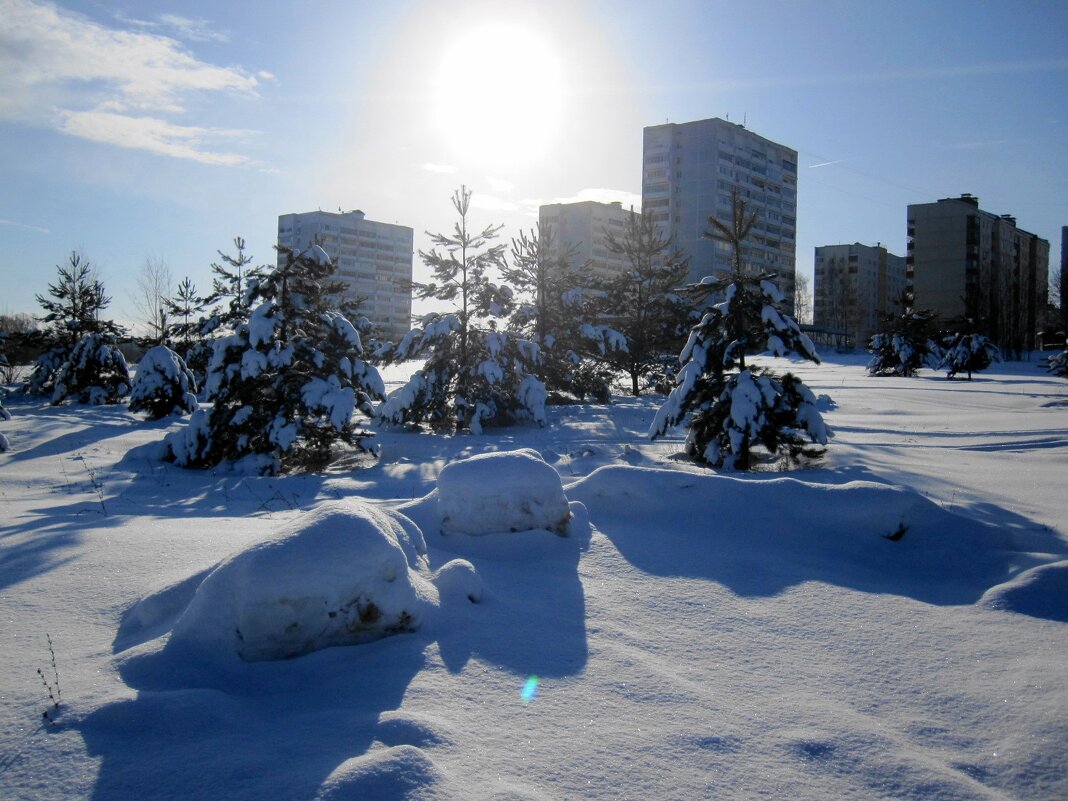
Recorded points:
(498,96)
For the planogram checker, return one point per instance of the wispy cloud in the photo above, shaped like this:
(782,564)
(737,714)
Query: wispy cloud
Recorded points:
(153,135)
(979,145)
(446,169)
(492,203)
(191,30)
(499,184)
(14,224)
(65,71)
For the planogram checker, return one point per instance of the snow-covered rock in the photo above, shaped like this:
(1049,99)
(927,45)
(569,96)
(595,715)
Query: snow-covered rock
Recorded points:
(496,492)
(343,574)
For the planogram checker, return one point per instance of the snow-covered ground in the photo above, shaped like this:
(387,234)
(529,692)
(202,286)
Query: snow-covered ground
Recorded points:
(693,636)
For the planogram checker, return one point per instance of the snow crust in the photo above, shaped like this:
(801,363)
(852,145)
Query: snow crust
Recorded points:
(498,492)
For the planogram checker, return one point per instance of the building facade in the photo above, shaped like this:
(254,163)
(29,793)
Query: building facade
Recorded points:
(967,263)
(374,259)
(689,171)
(854,287)
(580,228)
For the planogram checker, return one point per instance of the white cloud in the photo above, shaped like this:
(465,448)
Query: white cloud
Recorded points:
(628,199)
(491,203)
(151,134)
(66,71)
(445,169)
(27,227)
(192,30)
(499,184)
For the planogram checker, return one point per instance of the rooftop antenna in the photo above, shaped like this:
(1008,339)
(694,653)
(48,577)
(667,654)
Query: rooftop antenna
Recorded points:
(745,117)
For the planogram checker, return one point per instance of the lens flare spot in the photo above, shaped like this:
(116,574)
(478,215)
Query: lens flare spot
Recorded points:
(530,689)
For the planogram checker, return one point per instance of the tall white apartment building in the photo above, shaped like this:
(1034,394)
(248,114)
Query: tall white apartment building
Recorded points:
(854,287)
(582,226)
(373,258)
(688,173)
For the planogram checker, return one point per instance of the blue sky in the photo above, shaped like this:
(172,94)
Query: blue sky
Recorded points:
(138,130)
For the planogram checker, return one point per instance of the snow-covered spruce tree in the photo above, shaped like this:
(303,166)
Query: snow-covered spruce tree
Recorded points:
(4,413)
(733,408)
(71,312)
(287,382)
(163,385)
(474,373)
(228,306)
(637,316)
(969,353)
(549,313)
(94,372)
(905,345)
(1058,363)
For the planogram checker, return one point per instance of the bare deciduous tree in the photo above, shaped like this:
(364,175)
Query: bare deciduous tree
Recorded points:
(153,291)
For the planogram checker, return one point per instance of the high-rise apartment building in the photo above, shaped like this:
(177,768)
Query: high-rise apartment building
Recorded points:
(854,287)
(689,171)
(373,258)
(1064,279)
(581,228)
(964,262)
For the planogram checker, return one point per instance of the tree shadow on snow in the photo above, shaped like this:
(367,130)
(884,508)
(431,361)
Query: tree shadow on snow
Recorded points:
(331,723)
(759,538)
(278,731)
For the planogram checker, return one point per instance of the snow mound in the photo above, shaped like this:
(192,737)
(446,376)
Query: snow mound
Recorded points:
(497,492)
(758,537)
(401,772)
(1039,592)
(343,574)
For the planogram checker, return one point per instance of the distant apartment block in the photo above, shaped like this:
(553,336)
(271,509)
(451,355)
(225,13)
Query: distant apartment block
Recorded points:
(964,262)
(582,226)
(1064,279)
(688,173)
(373,258)
(854,287)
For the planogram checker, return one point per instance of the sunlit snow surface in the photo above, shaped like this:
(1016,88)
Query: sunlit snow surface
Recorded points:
(892,624)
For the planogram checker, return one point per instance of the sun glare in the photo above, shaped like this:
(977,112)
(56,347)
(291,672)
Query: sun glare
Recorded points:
(498,96)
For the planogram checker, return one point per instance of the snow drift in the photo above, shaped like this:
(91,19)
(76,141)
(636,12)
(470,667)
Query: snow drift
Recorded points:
(344,574)
(496,492)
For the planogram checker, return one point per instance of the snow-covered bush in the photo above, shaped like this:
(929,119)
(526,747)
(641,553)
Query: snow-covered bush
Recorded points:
(343,574)
(905,346)
(474,374)
(969,353)
(95,373)
(1058,363)
(287,383)
(163,385)
(734,408)
(4,415)
(498,492)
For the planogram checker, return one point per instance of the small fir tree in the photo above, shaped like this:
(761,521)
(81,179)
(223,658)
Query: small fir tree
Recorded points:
(94,373)
(551,316)
(163,385)
(72,311)
(637,316)
(732,407)
(474,373)
(969,353)
(287,382)
(905,345)
(1058,363)
(186,332)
